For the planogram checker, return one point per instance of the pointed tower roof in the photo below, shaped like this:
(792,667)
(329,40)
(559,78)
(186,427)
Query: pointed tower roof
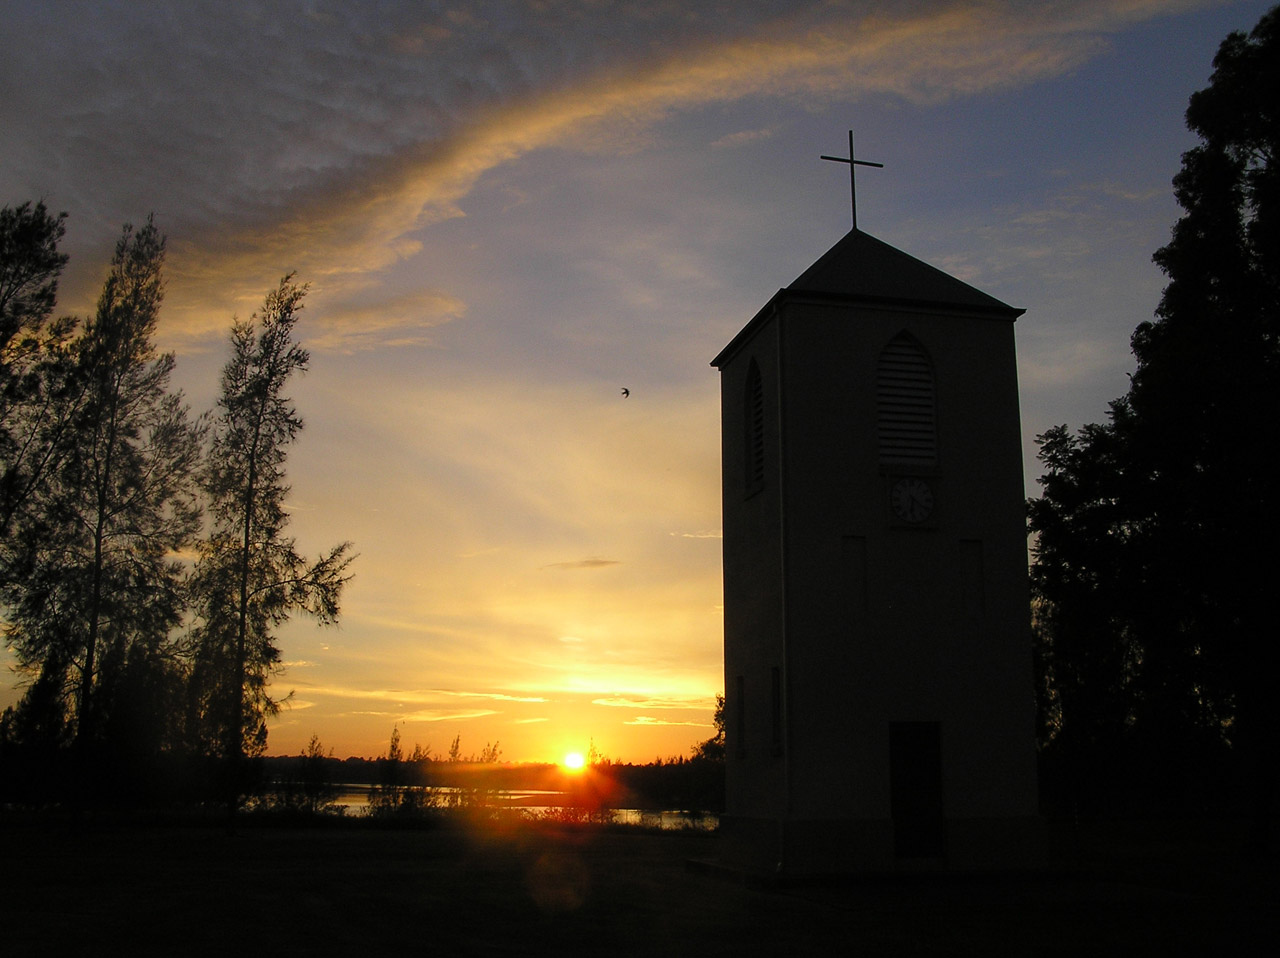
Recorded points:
(867,268)
(863,269)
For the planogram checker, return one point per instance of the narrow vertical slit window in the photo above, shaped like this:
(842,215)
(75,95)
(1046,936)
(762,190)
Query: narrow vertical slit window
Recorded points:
(753,421)
(906,408)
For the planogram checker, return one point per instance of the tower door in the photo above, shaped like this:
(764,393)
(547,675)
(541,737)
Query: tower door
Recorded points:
(915,789)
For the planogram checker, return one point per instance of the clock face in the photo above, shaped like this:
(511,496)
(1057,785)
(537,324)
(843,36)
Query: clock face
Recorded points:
(911,500)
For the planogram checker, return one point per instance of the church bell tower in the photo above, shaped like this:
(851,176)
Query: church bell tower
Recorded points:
(879,706)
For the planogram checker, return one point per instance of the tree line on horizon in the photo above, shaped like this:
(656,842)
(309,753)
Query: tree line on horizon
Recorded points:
(145,564)
(1154,537)
(415,786)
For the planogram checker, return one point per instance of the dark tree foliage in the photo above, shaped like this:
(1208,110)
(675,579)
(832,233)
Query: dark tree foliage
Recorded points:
(33,368)
(33,358)
(303,786)
(250,579)
(1153,550)
(712,749)
(29,268)
(94,585)
(103,481)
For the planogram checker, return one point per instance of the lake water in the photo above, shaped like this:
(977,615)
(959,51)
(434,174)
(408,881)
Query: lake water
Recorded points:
(355,798)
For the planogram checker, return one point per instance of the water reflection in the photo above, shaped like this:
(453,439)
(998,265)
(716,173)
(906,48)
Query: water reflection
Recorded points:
(355,799)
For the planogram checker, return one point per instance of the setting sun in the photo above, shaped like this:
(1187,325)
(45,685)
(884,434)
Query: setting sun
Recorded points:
(574,761)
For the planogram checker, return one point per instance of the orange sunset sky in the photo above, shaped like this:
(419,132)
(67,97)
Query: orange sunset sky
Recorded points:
(509,211)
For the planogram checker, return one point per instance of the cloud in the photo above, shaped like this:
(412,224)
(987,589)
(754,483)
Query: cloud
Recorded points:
(650,721)
(561,462)
(743,136)
(368,320)
(1054,360)
(595,562)
(624,701)
(329,143)
(418,696)
(426,715)
(446,715)
(496,696)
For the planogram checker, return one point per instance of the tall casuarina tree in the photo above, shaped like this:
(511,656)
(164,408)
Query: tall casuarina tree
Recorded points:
(98,572)
(250,579)
(34,359)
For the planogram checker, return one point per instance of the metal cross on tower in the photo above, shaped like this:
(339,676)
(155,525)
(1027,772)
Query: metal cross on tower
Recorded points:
(853,165)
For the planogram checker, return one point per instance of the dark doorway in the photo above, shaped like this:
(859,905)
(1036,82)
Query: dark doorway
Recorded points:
(915,789)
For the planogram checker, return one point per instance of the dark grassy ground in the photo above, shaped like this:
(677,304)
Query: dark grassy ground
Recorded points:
(361,891)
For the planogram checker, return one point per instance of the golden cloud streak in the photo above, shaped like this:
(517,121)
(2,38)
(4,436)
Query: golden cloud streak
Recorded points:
(350,326)
(336,235)
(446,715)
(648,720)
(594,562)
(417,696)
(654,703)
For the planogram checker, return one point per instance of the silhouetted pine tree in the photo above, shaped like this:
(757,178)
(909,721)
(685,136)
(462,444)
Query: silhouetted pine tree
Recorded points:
(249,578)
(1156,529)
(93,583)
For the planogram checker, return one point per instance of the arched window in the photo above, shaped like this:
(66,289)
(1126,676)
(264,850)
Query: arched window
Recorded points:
(906,415)
(753,425)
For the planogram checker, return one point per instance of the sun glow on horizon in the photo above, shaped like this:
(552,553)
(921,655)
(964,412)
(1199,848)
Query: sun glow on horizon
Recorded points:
(574,762)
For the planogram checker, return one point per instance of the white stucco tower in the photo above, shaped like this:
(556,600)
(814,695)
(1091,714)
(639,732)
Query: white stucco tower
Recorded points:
(879,707)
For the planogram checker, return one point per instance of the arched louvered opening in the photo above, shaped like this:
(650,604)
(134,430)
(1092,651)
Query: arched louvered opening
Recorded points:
(906,414)
(753,424)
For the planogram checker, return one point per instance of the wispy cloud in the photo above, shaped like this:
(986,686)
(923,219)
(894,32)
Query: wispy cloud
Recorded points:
(495,696)
(417,696)
(743,136)
(636,702)
(651,721)
(425,715)
(371,319)
(330,146)
(595,562)
(446,715)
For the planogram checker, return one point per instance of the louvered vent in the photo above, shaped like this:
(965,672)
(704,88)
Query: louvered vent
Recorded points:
(905,408)
(753,419)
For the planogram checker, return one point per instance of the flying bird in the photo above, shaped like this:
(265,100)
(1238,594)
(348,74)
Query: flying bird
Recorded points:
(625,392)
